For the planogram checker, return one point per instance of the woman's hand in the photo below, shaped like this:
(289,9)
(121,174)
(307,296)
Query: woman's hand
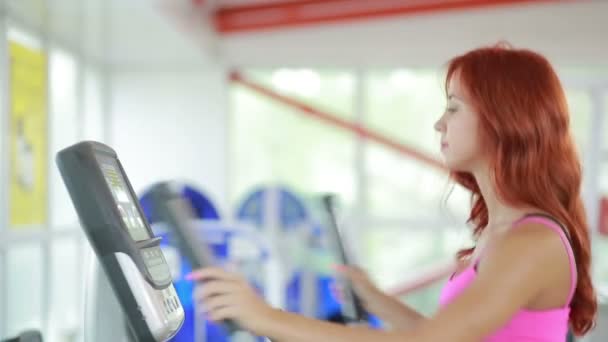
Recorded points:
(392,311)
(225,295)
(369,294)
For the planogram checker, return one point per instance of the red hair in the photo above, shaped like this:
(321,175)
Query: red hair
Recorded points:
(524,125)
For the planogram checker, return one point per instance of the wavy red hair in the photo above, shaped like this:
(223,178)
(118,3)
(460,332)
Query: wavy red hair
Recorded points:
(524,124)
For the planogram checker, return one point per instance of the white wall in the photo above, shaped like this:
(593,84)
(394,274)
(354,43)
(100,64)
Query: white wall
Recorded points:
(167,102)
(171,124)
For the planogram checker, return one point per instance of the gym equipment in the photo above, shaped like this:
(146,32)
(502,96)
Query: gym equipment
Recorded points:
(171,208)
(352,309)
(224,240)
(26,336)
(130,255)
(203,209)
(300,255)
(283,220)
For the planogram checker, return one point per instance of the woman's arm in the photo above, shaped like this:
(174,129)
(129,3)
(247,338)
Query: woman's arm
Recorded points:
(512,275)
(289,327)
(526,262)
(388,308)
(398,315)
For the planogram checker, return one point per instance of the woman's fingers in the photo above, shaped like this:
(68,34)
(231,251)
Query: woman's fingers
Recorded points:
(336,292)
(215,303)
(221,313)
(215,288)
(209,273)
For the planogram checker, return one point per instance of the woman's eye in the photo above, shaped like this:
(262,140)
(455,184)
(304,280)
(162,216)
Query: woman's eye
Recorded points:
(451,109)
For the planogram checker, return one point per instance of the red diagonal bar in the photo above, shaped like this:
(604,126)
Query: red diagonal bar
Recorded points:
(281,14)
(335,121)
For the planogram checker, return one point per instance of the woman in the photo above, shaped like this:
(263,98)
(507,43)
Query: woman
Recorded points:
(505,137)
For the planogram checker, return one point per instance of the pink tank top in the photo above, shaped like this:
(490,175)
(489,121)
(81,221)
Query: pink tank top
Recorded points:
(525,325)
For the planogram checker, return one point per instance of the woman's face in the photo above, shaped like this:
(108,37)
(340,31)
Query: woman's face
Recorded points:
(458,126)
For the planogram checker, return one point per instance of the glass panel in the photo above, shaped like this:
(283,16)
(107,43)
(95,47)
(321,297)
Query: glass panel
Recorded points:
(64,132)
(3,291)
(24,283)
(425,301)
(403,187)
(394,255)
(274,143)
(604,169)
(605,136)
(404,104)
(579,104)
(66,278)
(581,72)
(325,89)
(4,168)
(93,124)
(600,242)
(600,261)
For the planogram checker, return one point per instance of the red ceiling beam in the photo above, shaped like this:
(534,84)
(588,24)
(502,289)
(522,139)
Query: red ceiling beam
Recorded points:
(333,120)
(281,14)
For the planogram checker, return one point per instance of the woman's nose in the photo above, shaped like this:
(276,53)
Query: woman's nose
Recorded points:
(439,125)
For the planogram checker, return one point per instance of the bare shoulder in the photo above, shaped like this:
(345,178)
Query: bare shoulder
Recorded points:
(513,274)
(532,247)
(534,236)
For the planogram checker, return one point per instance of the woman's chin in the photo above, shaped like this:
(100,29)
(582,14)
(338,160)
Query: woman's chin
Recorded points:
(456,165)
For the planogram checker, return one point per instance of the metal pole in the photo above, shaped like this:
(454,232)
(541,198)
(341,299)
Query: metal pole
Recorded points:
(47,262)
(276,274)
(593,158)
(362,186)
(4,166)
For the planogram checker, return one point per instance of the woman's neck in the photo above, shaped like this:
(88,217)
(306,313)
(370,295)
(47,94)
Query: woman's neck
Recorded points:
(499,213)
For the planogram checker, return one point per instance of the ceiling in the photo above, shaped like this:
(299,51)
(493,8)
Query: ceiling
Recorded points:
(181,33)
(571,33)
(238,16)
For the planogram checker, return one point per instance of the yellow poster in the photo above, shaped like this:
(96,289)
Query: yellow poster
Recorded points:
(28,136)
